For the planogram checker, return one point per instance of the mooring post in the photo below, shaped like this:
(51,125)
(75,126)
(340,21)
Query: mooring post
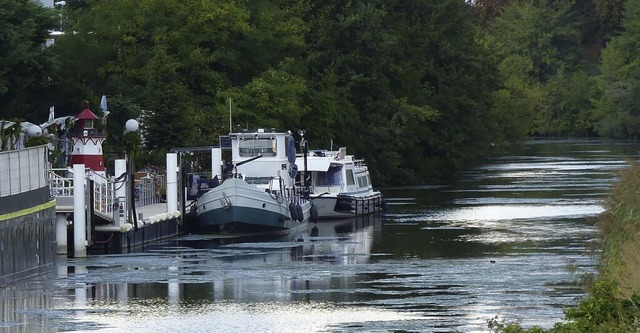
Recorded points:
(79,223)
(216,163)
(173,290)
(121,190)
(61,232)
(172,182)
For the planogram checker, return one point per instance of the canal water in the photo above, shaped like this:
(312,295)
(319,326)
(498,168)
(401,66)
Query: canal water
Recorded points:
(510,239)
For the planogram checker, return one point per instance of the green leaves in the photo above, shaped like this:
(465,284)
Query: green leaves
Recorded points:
(181,59)
(619,109)
(26,65)
(547,88)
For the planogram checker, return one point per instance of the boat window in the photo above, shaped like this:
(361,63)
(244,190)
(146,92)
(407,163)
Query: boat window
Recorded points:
(362,182)
(330,178)
(321,178)
(350,179)
(250,147)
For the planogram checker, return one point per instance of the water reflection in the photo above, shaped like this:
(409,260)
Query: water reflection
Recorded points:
(444,258)
(343,241)
(201,275)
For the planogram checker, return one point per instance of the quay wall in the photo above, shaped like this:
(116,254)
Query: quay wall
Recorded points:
(27,215)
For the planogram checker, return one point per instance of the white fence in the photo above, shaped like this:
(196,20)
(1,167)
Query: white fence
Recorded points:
(104,198)
(148,191)
(105,202)
(22,170)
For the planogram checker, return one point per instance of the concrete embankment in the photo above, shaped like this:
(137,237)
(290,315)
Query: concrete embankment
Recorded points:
(27,215)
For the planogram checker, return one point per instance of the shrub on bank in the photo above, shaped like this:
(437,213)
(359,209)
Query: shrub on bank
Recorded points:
(613,301)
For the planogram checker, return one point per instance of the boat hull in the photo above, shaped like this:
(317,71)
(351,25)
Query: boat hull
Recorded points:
(238,207)
(338,206)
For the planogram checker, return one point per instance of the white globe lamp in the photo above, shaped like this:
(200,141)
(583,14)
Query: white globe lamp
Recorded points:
(131,125)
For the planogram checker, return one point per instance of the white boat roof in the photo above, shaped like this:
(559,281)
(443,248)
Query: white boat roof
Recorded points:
(322,163)
(313,164)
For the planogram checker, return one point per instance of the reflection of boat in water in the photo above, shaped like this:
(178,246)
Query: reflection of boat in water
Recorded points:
(216,240)
(340,185)
(338,241)
(201,269)
(344,241)
(258,192)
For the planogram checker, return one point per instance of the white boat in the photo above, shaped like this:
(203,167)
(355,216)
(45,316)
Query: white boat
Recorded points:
(340,185)
(258,192)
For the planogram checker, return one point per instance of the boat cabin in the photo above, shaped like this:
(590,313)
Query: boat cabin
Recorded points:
(263,154)
(335,171)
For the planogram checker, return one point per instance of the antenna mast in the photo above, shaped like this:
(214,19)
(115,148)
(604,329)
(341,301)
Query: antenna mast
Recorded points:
(230,128)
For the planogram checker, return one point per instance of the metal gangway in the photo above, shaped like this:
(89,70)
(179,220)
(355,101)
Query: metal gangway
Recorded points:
(103,198)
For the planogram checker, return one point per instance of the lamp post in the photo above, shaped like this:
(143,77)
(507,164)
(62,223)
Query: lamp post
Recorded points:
(131,126)
(303,146)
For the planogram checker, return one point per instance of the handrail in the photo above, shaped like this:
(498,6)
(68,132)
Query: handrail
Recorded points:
(59,185)
(103,194)
(105,202)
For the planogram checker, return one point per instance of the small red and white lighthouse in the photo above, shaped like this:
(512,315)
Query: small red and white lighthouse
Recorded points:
(87,141)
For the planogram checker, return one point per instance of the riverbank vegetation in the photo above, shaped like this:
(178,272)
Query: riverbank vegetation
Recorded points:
(419,89)
(613,300)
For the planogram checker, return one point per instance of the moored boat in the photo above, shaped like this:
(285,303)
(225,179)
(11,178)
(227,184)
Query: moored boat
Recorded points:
(258,192)
(340,184)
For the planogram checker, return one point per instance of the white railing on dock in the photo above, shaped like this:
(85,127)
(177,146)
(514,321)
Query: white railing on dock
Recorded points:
(103,194)
(105,203)
(60,185)
(148,191)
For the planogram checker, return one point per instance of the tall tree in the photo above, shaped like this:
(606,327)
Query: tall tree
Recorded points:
(406,86)
(619,106)
(26,64)
(182,61)
(534,43)
(610,14)
(412,83)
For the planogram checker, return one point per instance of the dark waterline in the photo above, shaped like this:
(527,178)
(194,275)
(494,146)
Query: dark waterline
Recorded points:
(509,240)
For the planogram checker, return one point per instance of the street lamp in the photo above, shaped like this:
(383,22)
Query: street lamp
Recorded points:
(131,126)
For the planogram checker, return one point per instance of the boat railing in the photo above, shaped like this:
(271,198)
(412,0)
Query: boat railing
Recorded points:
(299,194)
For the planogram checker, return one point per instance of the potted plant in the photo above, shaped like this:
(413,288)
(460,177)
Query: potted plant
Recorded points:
(162,193)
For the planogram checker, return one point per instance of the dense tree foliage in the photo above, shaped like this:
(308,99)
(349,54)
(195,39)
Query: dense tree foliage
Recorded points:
(546,89)
(419,89)
(405,85)
(618,108)
(412,81)
(182,61)
(609,14)
(25,64)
